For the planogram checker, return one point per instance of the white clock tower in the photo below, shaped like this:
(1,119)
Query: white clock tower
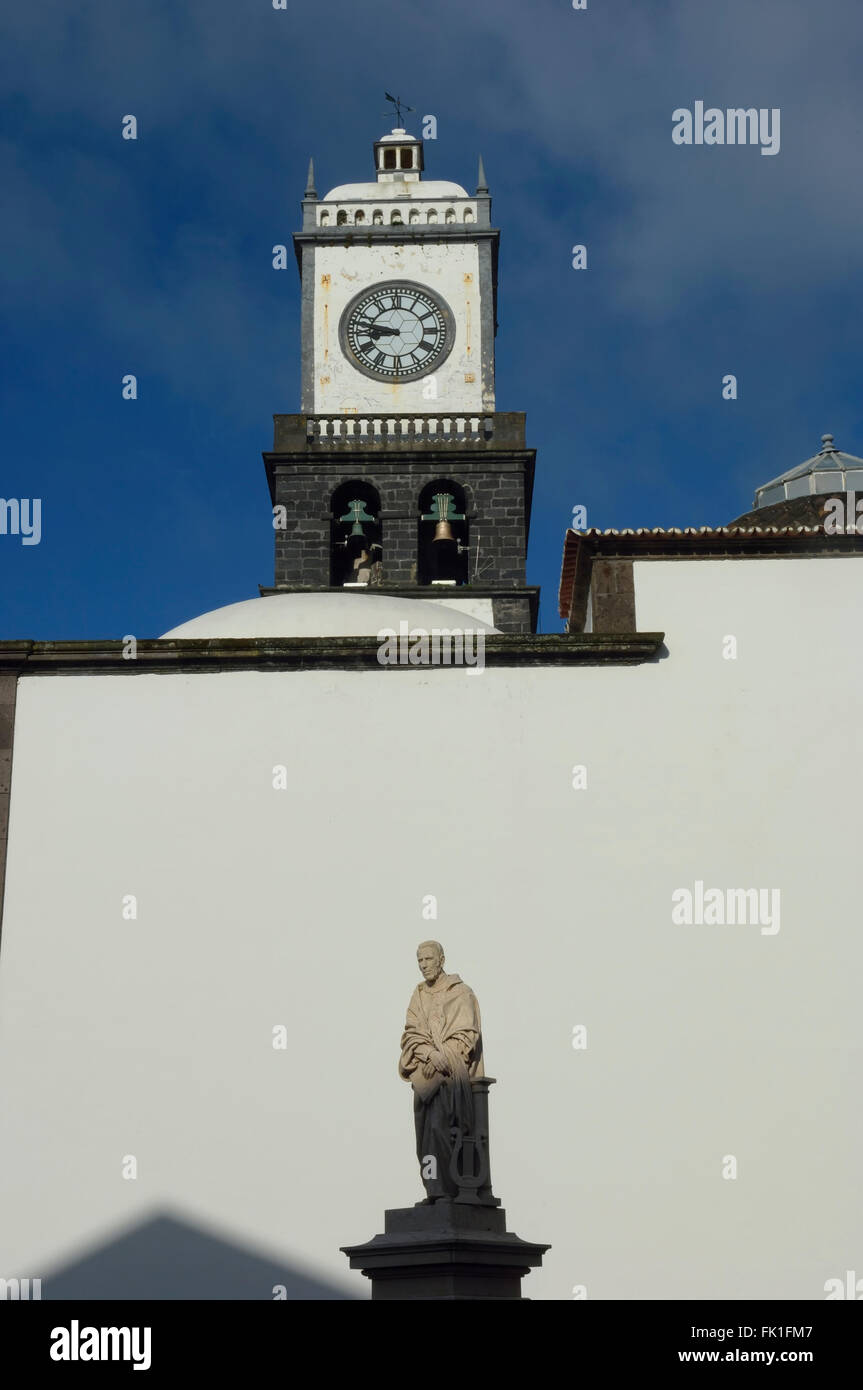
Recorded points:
(399,283)
(400,475)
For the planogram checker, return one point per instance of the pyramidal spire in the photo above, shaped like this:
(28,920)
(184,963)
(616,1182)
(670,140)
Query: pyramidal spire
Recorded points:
(311,191)
(481,184)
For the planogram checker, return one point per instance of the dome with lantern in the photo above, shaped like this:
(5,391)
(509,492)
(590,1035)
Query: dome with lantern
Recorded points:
(796,498)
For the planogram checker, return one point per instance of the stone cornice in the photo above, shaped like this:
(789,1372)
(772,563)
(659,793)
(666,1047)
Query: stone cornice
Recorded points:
(430,592)
(368,234)
(313,653)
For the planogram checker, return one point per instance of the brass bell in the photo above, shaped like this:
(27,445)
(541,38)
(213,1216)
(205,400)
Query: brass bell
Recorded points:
(443,532)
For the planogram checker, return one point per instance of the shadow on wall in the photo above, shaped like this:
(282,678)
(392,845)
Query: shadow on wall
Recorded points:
(164,1258)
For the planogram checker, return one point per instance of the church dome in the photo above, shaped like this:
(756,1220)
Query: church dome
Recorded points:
(796,498)
(826,471)
(325,615)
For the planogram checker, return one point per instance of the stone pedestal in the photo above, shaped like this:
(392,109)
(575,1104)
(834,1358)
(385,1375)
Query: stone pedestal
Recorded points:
(448,1250)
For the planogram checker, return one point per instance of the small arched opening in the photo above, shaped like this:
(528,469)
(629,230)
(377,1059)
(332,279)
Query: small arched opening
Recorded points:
(355,535)
(443,543)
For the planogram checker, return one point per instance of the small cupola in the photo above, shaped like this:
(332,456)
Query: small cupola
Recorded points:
(798,497)
(398,156)
(830,470)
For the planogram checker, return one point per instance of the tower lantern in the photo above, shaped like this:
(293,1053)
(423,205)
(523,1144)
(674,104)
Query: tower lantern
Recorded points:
(398,156)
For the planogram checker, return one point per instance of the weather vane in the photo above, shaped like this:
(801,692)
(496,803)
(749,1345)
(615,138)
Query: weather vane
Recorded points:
(400,106)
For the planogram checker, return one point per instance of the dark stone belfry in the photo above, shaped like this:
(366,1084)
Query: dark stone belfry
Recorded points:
(309,471)
(399,316)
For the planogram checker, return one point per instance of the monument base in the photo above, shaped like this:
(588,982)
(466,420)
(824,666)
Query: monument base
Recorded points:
(445,1250)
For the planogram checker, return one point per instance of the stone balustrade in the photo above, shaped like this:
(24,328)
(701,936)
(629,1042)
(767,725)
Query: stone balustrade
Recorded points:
(490,431)
(412,429)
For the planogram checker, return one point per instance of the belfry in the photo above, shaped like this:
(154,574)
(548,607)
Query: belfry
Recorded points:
(400,474)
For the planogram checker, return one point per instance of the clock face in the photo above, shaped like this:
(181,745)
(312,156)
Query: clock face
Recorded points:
(397,331)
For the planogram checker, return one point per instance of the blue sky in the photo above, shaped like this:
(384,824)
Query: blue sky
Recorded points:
(154,257)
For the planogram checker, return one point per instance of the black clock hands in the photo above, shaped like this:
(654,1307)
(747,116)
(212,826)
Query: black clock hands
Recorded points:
(367,327)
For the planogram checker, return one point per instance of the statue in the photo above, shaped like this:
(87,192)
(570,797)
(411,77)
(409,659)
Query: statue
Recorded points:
(454,1244)
(441,1056)
(367,566)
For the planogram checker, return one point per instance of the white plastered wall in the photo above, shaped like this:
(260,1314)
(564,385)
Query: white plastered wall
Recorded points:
(259,907)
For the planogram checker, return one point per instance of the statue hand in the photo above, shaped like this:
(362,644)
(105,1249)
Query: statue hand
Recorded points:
(428,1069)
(440,1062)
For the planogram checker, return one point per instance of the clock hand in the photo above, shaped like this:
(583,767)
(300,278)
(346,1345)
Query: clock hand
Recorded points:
(368,327)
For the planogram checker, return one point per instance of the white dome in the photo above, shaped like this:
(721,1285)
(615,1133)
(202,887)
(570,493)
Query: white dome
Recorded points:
(390,192)
(352,614)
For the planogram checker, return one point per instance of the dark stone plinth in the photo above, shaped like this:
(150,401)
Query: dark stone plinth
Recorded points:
(446,1250)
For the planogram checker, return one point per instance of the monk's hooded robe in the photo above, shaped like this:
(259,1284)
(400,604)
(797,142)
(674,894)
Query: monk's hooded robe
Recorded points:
(444,1019)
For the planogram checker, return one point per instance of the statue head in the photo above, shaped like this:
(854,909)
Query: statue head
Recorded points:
(430,958)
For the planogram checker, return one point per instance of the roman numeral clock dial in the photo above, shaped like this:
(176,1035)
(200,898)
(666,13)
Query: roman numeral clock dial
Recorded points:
(396,331)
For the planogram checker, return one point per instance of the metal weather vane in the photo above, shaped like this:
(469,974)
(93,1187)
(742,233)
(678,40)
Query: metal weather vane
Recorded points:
(400,106)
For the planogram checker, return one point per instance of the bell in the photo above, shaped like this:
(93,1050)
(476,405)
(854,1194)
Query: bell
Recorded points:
(443,532)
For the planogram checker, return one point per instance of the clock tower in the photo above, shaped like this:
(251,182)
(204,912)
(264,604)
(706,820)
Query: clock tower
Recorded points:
(400,475)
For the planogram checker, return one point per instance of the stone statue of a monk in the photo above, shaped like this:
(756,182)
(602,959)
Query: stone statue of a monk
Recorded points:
(441,1055)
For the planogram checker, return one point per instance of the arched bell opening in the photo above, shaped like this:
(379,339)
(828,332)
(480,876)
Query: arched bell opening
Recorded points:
(355,536)
(443,548)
